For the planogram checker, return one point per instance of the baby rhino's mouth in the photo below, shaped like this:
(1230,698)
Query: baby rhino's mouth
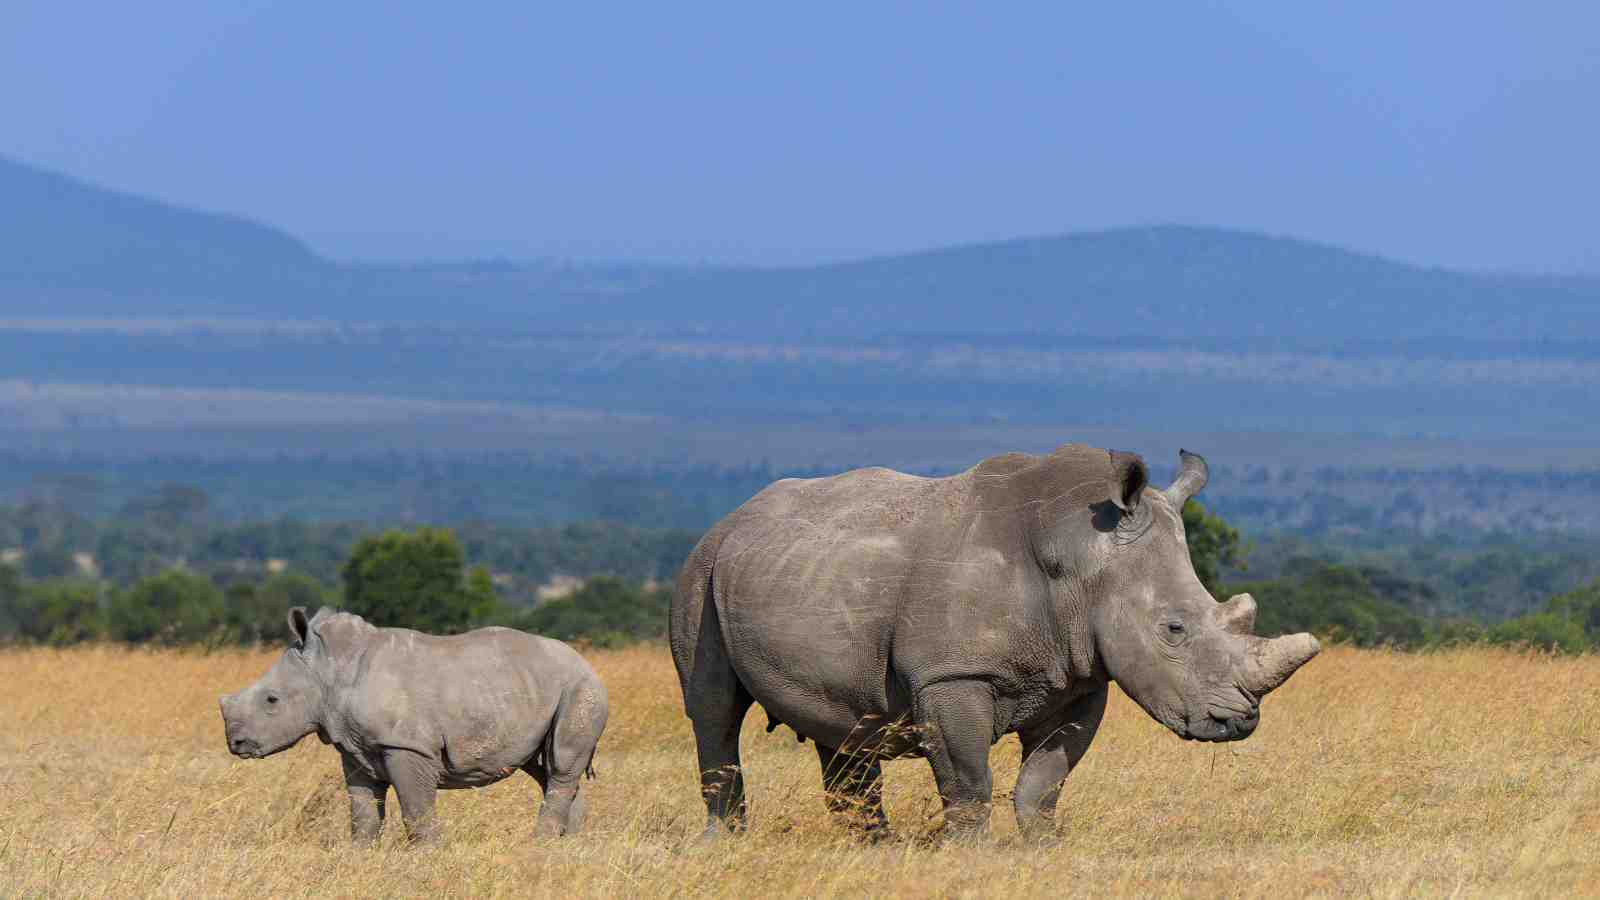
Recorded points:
(244,748)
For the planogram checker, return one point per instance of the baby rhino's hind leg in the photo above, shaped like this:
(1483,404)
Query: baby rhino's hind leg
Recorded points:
(535,767)
(567,756)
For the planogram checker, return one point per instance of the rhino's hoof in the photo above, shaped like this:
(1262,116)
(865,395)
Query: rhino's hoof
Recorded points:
(1041,836)
(880,834)
(716,832)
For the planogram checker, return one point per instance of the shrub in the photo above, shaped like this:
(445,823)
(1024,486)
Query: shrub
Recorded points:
(173,607)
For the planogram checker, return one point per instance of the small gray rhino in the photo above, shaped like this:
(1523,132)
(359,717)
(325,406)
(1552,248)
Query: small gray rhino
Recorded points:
(422,712)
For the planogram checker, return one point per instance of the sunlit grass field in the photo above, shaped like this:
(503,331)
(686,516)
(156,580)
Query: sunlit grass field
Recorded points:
(1468,772)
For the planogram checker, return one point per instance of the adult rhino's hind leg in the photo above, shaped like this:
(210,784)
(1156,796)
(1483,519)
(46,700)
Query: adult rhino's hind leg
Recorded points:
(716,702)
(853,786)
(1049,754)
(716,739)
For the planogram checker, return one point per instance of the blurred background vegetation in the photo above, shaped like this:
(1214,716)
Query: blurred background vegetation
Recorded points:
(166,569)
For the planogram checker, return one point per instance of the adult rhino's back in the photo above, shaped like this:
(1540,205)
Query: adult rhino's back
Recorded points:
(814,542)
(803,585)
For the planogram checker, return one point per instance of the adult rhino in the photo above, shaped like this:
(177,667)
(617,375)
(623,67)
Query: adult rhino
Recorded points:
(421,712)
(885,615)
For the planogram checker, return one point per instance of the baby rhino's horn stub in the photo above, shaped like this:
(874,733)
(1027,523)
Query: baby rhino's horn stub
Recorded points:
(1269,663)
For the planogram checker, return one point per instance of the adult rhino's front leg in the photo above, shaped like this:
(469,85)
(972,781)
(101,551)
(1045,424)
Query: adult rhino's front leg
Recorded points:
(368,796)
(1049,754)
(416,782)
(957,723)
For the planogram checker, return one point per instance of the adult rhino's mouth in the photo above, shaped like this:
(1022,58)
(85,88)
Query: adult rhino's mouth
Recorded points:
(1228,727)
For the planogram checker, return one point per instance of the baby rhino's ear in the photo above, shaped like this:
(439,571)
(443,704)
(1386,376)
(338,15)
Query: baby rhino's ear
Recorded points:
(299,627)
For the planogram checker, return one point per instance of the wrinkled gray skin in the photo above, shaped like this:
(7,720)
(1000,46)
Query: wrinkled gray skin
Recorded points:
(421,712)
(884,615)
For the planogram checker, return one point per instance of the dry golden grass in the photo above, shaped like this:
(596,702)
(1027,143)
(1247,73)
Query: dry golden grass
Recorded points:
(1471,772)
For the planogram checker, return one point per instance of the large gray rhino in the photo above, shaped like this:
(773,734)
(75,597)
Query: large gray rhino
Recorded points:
(422,712)
(884,615)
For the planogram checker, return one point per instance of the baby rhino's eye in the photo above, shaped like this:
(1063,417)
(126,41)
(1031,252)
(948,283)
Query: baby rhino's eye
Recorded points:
(272,698)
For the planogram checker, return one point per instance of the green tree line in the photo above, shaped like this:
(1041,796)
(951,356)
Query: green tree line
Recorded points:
(421,579)
(413,579)
(1369,605)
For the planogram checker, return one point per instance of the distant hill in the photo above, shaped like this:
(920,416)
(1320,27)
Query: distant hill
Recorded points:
(67,247)
(71,249)
(1163,281)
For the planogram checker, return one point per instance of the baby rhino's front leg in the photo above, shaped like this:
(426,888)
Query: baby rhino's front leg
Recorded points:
(416,782)
(367,798)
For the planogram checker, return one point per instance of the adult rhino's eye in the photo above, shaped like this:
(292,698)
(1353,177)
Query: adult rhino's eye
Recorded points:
(1174,630)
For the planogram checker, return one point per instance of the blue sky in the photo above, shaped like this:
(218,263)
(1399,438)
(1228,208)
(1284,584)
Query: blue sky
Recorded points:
(1457,134)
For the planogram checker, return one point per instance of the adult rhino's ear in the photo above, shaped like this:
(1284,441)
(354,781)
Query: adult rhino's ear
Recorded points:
(1128,479)
(299,627)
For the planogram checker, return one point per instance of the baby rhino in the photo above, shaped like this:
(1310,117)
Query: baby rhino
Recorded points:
(421,712)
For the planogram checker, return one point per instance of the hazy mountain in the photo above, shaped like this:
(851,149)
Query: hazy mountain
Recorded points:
(1164,281)
(71,249)
(68,248)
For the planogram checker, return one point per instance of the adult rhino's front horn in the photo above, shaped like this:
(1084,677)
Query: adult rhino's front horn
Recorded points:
(1268,662)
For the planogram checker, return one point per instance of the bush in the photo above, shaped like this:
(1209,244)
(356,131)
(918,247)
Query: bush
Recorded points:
(257,612)
(1545,630)
(57,612)
(1338,603)
(1213,543)
(10,601)
(605,612)
(174,607)
(417,580)
(1569,623)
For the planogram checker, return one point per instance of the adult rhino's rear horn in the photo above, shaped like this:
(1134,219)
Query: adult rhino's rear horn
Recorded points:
(1192,476)
(1237,615)
(1268,662)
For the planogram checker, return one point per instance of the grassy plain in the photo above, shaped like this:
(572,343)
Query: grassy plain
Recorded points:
(1468,772)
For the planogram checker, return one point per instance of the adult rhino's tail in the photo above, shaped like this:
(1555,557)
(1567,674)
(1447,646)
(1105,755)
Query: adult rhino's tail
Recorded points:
(692,615)
(712,690)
